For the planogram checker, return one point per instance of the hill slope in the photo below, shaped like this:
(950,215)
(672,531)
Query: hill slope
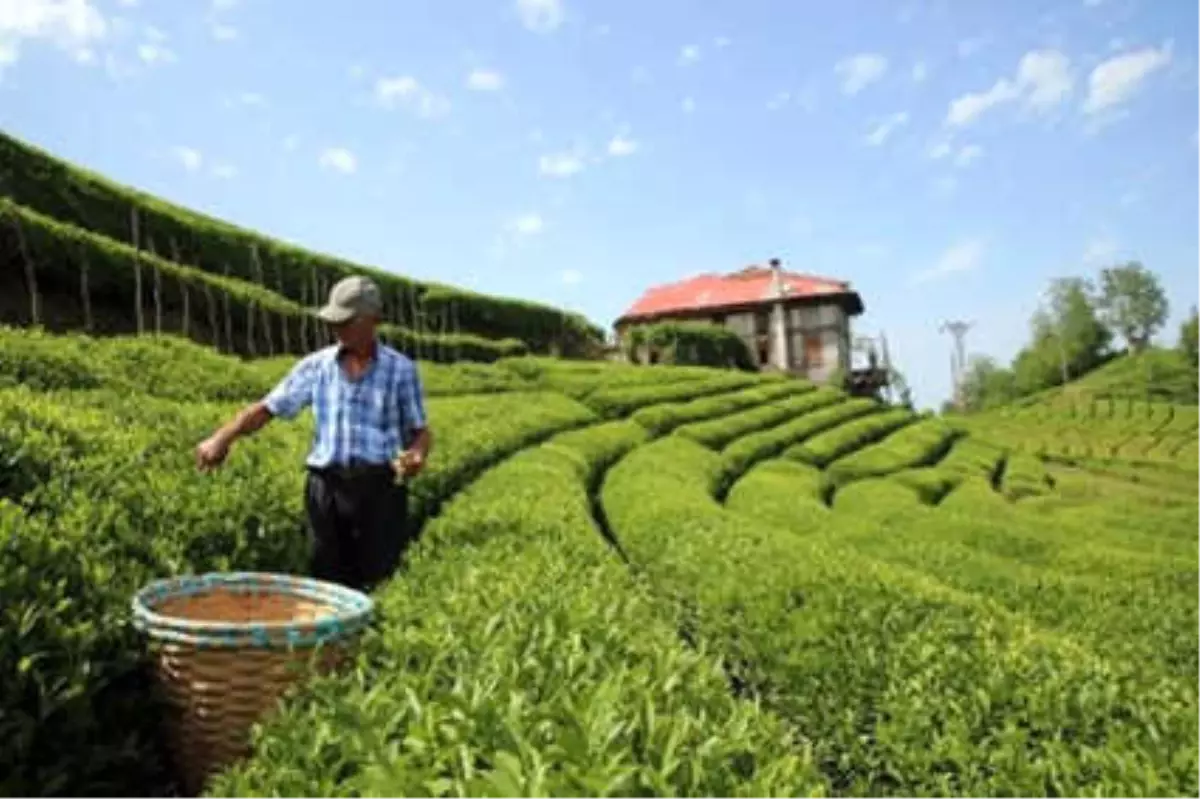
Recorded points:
(630,581)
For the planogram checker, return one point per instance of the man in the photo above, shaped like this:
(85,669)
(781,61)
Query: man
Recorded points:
(368,406)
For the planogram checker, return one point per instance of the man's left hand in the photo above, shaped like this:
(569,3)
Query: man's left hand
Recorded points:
(409,464)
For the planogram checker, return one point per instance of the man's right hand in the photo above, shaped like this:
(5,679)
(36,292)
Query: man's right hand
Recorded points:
(211,453)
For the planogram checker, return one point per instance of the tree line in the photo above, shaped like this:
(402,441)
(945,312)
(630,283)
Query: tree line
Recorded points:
(1083,324)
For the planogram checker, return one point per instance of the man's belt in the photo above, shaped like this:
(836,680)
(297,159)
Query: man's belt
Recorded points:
(354,469)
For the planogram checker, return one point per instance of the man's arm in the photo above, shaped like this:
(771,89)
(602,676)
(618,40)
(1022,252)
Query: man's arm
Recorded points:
(288,398)
(412,406)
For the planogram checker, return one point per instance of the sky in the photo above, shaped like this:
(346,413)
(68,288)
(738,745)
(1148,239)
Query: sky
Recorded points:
(948,158)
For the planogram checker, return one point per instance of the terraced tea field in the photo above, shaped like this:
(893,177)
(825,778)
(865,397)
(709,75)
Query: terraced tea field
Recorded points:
(630,581)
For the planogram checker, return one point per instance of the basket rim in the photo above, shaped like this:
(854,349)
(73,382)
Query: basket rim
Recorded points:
(351,607)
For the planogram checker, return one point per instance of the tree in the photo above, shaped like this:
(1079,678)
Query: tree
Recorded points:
(1073,327)
(986,384)
(1188,332)
(1133,303)
(897,381)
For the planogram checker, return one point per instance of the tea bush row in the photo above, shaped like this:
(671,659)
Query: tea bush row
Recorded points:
(899,683)
(518,656)
(100,495)
(719,433)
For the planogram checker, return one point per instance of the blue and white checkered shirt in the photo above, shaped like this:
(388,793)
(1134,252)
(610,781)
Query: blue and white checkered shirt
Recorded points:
(370,419)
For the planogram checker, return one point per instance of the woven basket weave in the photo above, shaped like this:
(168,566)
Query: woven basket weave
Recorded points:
(228,645)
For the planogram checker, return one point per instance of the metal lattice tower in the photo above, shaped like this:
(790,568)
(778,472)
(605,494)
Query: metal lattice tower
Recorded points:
(958,357)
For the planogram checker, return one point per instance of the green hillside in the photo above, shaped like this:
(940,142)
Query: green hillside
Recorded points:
(630,581)
(1159,375)
(183,241)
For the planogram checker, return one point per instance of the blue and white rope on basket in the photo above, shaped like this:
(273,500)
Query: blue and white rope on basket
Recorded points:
(352,611)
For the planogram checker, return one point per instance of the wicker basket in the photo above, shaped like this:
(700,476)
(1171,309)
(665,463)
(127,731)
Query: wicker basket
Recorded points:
(229,645)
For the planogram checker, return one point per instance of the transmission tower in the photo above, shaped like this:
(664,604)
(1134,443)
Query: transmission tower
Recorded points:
(958,357)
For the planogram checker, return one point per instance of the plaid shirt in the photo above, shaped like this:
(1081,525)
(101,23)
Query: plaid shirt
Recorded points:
(369,419)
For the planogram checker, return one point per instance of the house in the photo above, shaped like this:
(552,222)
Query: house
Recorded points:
(791,322)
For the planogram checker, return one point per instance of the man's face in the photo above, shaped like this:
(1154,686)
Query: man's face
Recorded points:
(357,333)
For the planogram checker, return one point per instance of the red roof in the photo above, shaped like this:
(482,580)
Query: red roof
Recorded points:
(710,291)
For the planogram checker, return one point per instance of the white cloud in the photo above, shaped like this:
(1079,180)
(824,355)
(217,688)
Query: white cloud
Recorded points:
(920,72)
(1043,81)
(529,224)
(540,16)
(571,277)
(689,54)
(154,34)
(483,80)
(151,53)
(1046,77)
(560,165)
(721,42)
(223,33)
(965,256)
(859,71)
(251,98)
(72,26)
(940,150)
(968,154)
(621,146)
(969,107)
(189,157)
(1118,79)
(408,92)
(880,133)
(688,105)
(338,159)
(225,171)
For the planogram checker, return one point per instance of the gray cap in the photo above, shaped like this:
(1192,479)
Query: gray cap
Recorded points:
(349,298)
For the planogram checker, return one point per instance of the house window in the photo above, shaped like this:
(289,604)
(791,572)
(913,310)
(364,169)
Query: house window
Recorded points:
(761,323)
(764,354)
(718,319)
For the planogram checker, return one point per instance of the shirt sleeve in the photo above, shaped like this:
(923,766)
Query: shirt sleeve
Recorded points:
(412,400)
(294,393)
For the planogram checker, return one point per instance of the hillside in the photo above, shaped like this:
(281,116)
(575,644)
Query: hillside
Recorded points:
(630,581)
(52,204)
(1132,410)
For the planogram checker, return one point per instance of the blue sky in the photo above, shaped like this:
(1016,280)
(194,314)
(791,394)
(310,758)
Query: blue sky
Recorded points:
(948,158)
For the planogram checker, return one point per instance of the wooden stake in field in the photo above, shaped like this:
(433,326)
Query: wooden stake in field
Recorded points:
(157,287)
(85,295)
(183,288)
(137,269)
(35,303)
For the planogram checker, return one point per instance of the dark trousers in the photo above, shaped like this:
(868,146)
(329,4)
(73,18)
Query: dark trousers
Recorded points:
(358,521)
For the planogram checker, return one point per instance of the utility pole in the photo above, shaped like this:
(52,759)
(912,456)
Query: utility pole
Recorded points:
(958,357)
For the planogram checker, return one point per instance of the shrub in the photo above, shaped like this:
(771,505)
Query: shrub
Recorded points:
(823,449)
(80,198)
(231,314)
(665,417)
(719,433)
(698,344)
(518,657)
(619,401)
(903,686)
(920,444)
(111,475)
